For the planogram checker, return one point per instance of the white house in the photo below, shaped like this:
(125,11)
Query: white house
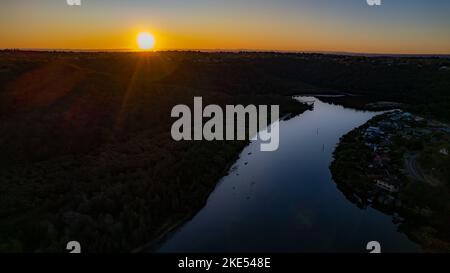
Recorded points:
(386,186)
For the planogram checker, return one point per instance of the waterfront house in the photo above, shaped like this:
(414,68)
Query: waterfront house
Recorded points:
(388,125)
(386,186)
(445,130)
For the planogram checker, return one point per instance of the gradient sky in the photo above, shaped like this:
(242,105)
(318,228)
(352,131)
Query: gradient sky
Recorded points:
(398,26)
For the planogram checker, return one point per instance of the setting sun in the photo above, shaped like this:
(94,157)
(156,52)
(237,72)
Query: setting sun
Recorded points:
(145,41)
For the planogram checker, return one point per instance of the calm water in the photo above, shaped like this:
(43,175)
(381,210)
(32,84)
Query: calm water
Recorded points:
(286,201)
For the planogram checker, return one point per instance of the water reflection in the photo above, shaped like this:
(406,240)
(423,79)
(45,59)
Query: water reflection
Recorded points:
(286,201)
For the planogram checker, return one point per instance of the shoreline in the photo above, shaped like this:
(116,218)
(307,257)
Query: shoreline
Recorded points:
(170,228)
(370,168)
(175,225)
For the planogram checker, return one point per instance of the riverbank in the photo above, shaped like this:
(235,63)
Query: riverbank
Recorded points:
(386,164)
(289,110)
(363,102)
(87,152)
(269,202)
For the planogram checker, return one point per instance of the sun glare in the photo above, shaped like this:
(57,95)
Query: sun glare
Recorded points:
(145,41)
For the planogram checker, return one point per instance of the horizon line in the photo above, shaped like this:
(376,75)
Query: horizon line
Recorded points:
(125,50)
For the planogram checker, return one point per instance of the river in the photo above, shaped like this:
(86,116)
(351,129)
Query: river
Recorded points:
(286,200)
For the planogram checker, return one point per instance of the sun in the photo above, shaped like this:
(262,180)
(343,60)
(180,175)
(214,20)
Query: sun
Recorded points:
(145,41)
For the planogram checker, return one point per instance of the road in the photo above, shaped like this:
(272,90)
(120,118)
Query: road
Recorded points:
(412,167)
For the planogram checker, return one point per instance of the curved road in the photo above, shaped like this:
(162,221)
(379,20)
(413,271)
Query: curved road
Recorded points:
(413,168)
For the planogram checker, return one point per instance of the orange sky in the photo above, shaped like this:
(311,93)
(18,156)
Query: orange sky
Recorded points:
(321,25)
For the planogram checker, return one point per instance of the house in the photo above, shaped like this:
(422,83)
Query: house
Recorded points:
(386,186)
(407,116)
(444,130)
(374,131)
(387,125)
(372,146)
(396,117)
(433,123)
(422,132)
